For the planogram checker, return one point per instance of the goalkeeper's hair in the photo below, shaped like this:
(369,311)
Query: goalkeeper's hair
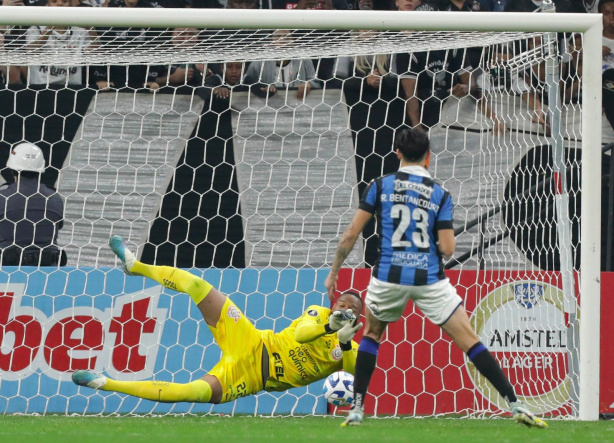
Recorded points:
(412,143)
(357,295)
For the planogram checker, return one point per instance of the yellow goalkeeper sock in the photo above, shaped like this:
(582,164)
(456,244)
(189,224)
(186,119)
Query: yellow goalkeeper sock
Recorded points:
(176,279)
(198,391)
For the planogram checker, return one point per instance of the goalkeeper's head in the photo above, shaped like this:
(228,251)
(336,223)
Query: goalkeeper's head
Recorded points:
(413,147)
(349,300)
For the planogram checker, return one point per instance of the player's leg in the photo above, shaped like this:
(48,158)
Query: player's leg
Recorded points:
(365,365)
(385,303)
(458,327)
(208,299)
(205,390)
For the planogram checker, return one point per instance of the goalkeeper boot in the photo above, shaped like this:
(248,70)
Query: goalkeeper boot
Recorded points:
(354,417)
(88,379)
(522,415)
(118,246)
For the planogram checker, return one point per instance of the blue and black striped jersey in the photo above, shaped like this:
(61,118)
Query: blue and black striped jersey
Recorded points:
(410,208)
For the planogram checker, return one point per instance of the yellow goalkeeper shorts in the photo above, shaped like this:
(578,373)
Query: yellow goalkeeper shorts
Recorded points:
(240,369)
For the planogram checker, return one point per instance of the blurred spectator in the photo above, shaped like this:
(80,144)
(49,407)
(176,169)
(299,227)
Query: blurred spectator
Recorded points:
(54,38)
(162,3)
(472,55)
(207,4)
(585,6)
(606,7)
(12,36)
(310,4)
(219,86)
(230,78)
(371,94)
(367,73)
(450,5)
(428,78)
(243,4)
(269,76)
(492,77)
(532,5)
(146,3)
(191,74)
(87,3)
(106,77)
(407,5)
(30,213)
(493,5)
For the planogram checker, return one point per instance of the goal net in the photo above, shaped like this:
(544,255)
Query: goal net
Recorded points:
(236,144)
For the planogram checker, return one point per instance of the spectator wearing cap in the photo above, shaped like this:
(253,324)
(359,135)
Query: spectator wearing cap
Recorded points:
(31,213)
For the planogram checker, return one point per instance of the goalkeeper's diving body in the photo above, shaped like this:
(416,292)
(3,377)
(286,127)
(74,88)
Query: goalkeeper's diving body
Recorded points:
(252,360)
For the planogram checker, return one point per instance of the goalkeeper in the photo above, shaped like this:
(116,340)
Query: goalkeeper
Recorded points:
(314,346)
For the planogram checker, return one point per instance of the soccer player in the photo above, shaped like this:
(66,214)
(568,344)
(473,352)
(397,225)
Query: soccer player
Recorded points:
(252,360)
(415,226)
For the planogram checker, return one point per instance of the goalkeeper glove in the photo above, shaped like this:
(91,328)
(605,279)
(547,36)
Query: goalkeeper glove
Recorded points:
(338,319)
(345,335)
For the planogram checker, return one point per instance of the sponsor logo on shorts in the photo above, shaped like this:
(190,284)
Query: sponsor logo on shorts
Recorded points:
(374,307)
(524,325)
(312,312)
(336,354)
(233,313)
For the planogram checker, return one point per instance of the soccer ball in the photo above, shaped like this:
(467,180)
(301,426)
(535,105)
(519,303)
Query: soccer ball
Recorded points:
(339,389)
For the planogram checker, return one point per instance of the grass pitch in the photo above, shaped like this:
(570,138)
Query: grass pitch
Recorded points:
(62,429)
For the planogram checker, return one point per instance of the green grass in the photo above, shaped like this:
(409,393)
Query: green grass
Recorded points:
(61,429)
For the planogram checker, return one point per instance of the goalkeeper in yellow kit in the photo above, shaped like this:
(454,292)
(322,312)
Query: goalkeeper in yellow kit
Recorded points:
(314,346)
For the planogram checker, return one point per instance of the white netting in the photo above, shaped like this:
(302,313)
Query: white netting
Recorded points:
(211,171)
(147,45)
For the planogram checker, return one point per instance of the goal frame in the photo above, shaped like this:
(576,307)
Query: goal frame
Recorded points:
(588,24)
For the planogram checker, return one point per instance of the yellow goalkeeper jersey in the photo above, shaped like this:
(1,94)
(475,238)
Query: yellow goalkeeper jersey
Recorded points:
(303,352)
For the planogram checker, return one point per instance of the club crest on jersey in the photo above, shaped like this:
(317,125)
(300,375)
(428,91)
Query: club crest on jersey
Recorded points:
(312,312)
(336,354)
(233,313)
(420,188)
(528,295)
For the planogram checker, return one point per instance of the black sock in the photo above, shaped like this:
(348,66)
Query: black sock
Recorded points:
(365,365)
(490,368)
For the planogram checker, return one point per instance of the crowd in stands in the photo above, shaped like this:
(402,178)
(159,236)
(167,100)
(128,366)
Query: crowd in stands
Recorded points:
(424,79)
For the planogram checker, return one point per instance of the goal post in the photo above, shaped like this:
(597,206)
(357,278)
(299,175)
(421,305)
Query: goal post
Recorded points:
(329,34)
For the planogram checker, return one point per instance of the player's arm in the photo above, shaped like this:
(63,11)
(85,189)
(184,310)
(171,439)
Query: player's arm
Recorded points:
(447,242)
(345,246)
(445,227)
(413,104)
(318,321)
(313,324)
